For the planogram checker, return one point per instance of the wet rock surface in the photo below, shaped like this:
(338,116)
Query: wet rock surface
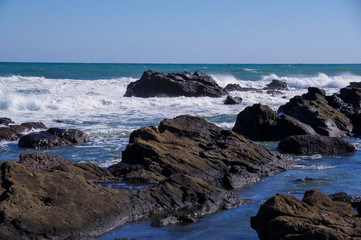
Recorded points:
(232,100)
(317,216)
(187,164)
(277,85)
(312,109)
(315,144)
(156,84)
(200,149)
(259,122)
(12,132)
(52,138)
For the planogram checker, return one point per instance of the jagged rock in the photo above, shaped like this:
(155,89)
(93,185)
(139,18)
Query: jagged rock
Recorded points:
(193,146)
(232,100)
(14,132)
(5,121)
(236,87)
(259,122)
(312,144)
(315,217)
(351,96)
(155,84)
(42,161)
(37,204)
(53,137)
(277,85)
(7,134)
(354,85)
(313,109)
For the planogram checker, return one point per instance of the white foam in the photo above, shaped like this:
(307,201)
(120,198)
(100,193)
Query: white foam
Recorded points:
(313,167)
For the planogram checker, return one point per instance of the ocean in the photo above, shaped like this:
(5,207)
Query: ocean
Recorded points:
(89,97)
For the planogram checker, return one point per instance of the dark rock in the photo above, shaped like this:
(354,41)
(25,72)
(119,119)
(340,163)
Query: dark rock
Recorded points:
(7,134)
(155,84)
(5,121)
(315,217)
(354,85)
(53,137)
(232,100)
(42,161)
(193,146)
(174,219)
(313,109)
(236,87)
(277,85)
(312,144)
(261,123)
(351,96)
(306,179)
(354,200)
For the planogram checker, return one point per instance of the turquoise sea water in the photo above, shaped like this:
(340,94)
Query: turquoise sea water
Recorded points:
(89,97)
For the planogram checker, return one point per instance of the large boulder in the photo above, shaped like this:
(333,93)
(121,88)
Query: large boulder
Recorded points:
(236,87)
(156,84)
(259,122)
(312,109)
(315,217)
(232,100)
(51,138)
(315,144)
(277,85)
(200,149)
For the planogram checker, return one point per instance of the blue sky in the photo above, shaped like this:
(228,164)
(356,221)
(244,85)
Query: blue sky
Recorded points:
(167,31)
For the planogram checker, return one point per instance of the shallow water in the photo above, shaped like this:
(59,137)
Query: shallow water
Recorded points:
(89,97)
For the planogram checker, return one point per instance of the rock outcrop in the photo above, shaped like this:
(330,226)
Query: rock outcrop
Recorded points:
(260,123)
(232,100)
(277,85)
(12,132)
(52,138)
(315,144)
(315,217)
(236,87)
(312,109)
(193,146)
(156,84)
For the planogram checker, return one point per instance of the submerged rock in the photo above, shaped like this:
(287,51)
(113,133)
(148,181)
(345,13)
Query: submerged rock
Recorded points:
(259,122)
(313,144)
(156,84)
(232,100)
(315,217)
(53,137)
(312,109)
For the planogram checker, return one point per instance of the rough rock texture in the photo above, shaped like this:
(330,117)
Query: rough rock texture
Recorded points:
(259,122)
(312,144)
(53,137)
(155,84)
(312,108)
(315,217)
(195,147)
(5,121)
(236,87)
(37,204)
(42,161)
(232,100)
(14,132)
(277,85)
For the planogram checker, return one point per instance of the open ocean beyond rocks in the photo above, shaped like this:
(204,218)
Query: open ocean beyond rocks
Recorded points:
(89,97)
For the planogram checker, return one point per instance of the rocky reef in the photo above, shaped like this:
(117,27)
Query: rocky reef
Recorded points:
(317,216)
(156,84)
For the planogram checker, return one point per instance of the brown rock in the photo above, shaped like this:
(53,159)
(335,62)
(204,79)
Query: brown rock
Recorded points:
(315,217)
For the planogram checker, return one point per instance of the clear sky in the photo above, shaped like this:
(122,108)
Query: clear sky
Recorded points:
(185,31)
